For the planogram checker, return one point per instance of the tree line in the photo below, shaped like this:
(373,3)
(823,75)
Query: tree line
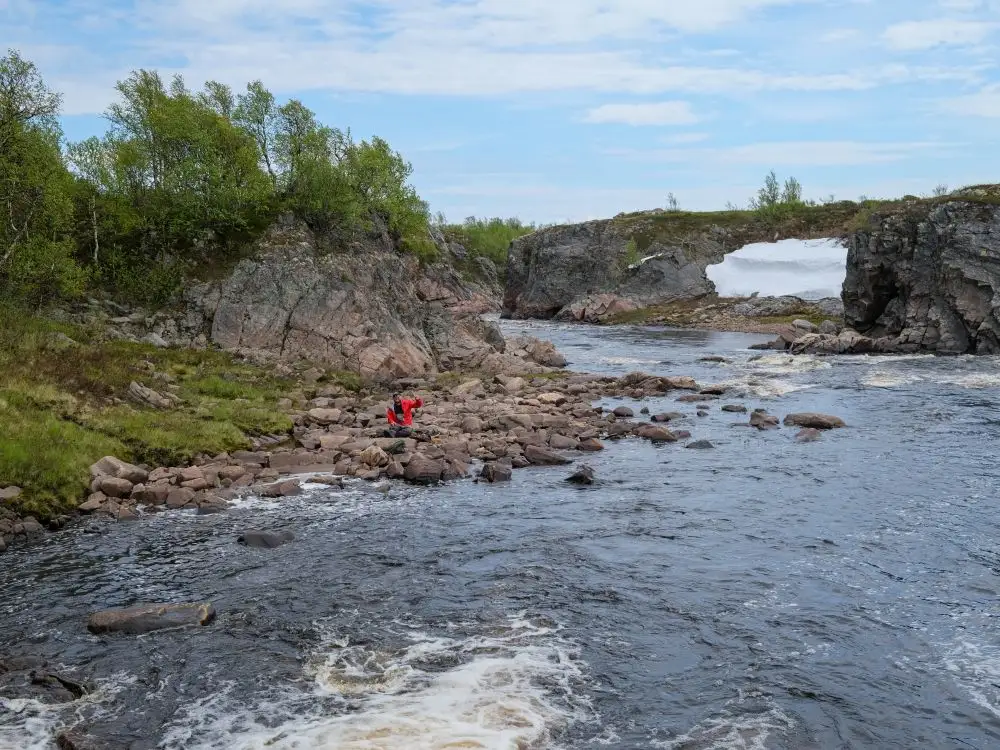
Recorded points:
(179,176)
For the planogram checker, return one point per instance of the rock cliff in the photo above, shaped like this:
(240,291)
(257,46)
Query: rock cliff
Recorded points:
(596,270)
(368,309)
(923,275)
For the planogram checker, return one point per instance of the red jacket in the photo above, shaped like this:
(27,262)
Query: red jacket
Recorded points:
(408,406)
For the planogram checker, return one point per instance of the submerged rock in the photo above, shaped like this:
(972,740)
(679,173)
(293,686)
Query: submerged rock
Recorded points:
(816,421)
(265,539)
(763,421)
(149,617)
(700,445)
(808,435)
(583,475)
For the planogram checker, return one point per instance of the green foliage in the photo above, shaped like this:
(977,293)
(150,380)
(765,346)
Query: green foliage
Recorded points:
(632,253)
(774,202)
(487,238)
(36,257)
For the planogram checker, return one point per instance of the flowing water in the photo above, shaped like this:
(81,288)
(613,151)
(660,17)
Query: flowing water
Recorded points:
(765,594)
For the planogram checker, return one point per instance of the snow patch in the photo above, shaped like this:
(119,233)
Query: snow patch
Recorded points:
(807,269)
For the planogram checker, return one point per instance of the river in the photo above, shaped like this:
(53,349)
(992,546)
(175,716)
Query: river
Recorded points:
(764,594)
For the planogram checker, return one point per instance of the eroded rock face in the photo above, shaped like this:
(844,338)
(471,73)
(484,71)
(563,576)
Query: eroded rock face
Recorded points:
(927,278)
(588,271)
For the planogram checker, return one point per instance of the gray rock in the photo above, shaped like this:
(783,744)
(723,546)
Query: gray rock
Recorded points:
(149,617)
(734,409)
(830,327)
(655,434)
(495,471)
(805,325)
(763,421)
(700,445)
(623,412)
(424,470)
(287,488)
(583,475)
(9,493)
(815,421)
(541,456)
(156,340)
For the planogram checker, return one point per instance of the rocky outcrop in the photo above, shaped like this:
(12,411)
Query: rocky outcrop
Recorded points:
(926,276)
(366,308)
(596,271)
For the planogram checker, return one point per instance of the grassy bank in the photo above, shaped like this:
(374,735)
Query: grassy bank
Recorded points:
(64,404)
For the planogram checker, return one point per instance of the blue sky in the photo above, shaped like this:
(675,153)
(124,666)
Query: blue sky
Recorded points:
(556,110)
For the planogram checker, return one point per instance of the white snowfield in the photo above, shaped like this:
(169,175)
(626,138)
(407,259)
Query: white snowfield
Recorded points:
(807,269)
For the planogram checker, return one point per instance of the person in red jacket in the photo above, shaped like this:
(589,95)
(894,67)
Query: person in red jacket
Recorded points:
(400,415)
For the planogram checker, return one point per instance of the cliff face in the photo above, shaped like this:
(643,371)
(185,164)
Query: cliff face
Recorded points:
(368,309)
(591,271)
(927,278)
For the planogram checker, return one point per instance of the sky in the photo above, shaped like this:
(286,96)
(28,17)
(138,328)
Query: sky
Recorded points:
(566,110)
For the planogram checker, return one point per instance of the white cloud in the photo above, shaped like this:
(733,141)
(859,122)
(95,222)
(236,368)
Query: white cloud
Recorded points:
(984,103)
(789,153)
(922,35)
(840,35)
(686,138)
(654,113)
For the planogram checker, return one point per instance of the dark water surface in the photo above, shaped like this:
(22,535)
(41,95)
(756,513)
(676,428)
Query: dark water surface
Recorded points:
(765,594)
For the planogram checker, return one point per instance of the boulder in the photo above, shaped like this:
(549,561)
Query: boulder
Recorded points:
(539,455)
(830,328)
(113,467)
(667,417)
(93,503)
(375,457)
(149,617)
(9,493)
(180,497)
(583,475)
(113,487)
(423,470)
(700,445)
(288,488)
(714,390)
(805,325)
(148,397)
(735,409)
(325,416)
(563,443)
(816,421)
(808,435)
(763,421)
(495,471)
(590,445)
(472,425)
(552,399)
(623,412)
(264,539)
(655,434)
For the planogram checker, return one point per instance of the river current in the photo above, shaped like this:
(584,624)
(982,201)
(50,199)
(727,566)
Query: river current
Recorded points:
(764,594)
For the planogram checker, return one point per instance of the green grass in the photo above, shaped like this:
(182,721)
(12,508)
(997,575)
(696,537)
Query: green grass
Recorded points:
(64,406)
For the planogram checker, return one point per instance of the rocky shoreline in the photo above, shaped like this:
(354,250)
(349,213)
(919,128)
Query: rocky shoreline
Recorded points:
(477,427)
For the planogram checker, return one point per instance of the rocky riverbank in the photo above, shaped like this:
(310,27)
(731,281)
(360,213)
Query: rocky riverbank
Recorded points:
(476,427)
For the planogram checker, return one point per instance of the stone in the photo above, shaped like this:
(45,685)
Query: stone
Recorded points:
(156,340)
(232,473)
(538,455)
(470,388)
(395,470)
(93,503)
(113,487)
(325,416)
(734,409)
(583,475)
(148,397)
(563,443)
(375,457)
(76,740)
(9,493)
(146,618)
(830,328)
(714,390)
(590,445)
(472,425)
(763,421)
(700,445)
(552,399)
(288,488)
(666,417)
(113,467)
(808,435)
(127,514)
(655,434)
(180,497)
(816,421)
(423,470)
(805,325)
(623,412)
(494,472)
(265,539)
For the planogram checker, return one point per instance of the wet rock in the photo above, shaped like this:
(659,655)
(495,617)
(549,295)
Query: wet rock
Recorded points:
(691,398)
(75,740)
(713,358)
(655,434)
(563,443)
(713,390)
(538,455)
(816,421)
(423,470)
(375,457)
(666,417)
(702,413)
(265,539)
(495,471)
(700,445)
(94,503)
(126,514)
(180,497)
(583,475)
(644,410)
(288,488)
(31,677)
(9,493)
(763,421)
(808,435)
(149,617)
(395,470)
(623,412)
(590,445)
(28,527)
(735,409)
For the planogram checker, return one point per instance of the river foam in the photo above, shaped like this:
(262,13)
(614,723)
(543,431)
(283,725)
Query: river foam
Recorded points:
(514,687)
